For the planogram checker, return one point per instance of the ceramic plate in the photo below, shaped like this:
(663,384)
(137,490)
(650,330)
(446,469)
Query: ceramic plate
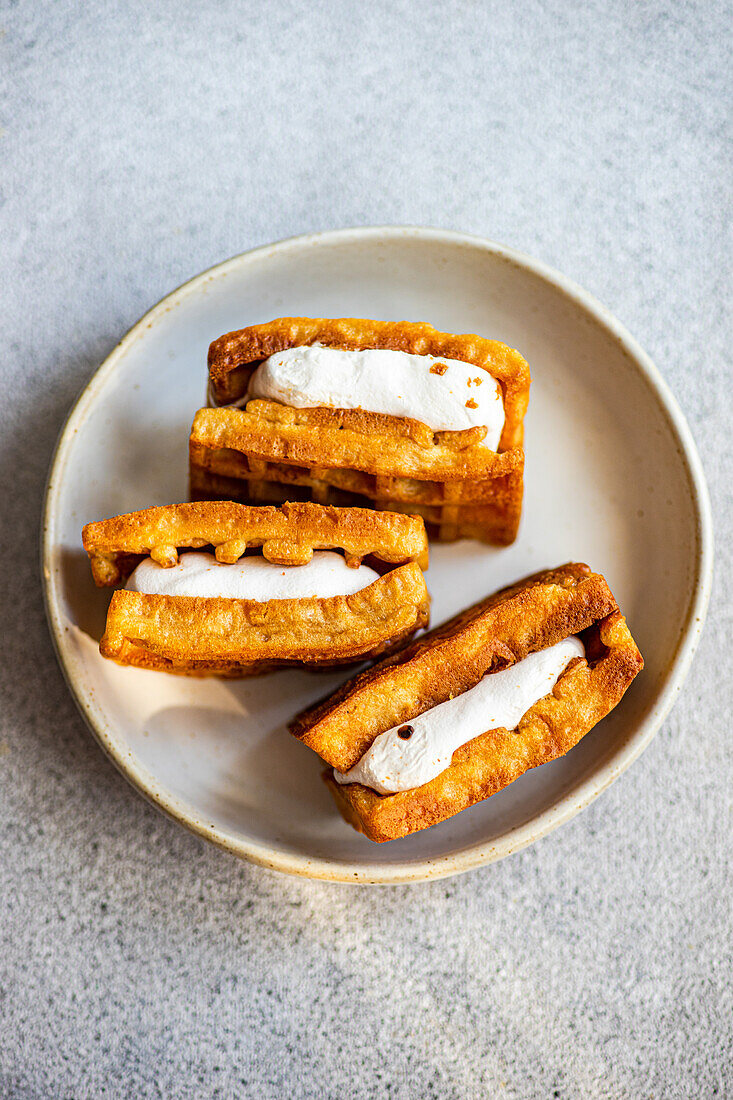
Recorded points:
(612,478)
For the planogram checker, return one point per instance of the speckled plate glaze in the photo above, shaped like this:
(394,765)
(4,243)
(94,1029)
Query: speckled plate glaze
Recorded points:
(613,478)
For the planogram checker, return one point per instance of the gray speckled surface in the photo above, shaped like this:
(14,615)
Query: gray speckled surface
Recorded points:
(142,143)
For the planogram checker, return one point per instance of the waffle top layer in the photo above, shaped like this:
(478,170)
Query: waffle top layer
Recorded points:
(287,535)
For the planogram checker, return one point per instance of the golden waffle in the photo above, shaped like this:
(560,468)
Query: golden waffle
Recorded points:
(458,486)
(534,614)
(199,635)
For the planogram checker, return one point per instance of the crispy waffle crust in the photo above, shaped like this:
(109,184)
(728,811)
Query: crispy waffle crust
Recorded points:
(458,486)
(228,637)
(534,614)
(287,535)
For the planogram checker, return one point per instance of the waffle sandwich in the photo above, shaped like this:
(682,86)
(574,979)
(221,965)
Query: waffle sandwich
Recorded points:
(361,436)
(225,589)
(511,683)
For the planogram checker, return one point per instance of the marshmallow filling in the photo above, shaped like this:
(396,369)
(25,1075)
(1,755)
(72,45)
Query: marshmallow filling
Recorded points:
(444,394)
(417,751)
(251,578)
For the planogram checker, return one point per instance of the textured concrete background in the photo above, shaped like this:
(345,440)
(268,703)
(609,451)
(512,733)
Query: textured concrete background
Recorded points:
(143,142)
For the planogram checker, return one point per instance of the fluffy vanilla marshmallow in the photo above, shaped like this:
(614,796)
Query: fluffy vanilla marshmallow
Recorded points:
(399,760)
(445,394)
(251,578)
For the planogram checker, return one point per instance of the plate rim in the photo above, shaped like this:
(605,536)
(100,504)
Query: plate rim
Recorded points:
(569,805)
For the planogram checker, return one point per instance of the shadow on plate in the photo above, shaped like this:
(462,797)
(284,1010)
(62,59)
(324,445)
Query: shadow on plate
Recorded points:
(232,767)
(86,605)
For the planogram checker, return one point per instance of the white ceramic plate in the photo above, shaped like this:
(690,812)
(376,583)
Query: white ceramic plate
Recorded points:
(612,479)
